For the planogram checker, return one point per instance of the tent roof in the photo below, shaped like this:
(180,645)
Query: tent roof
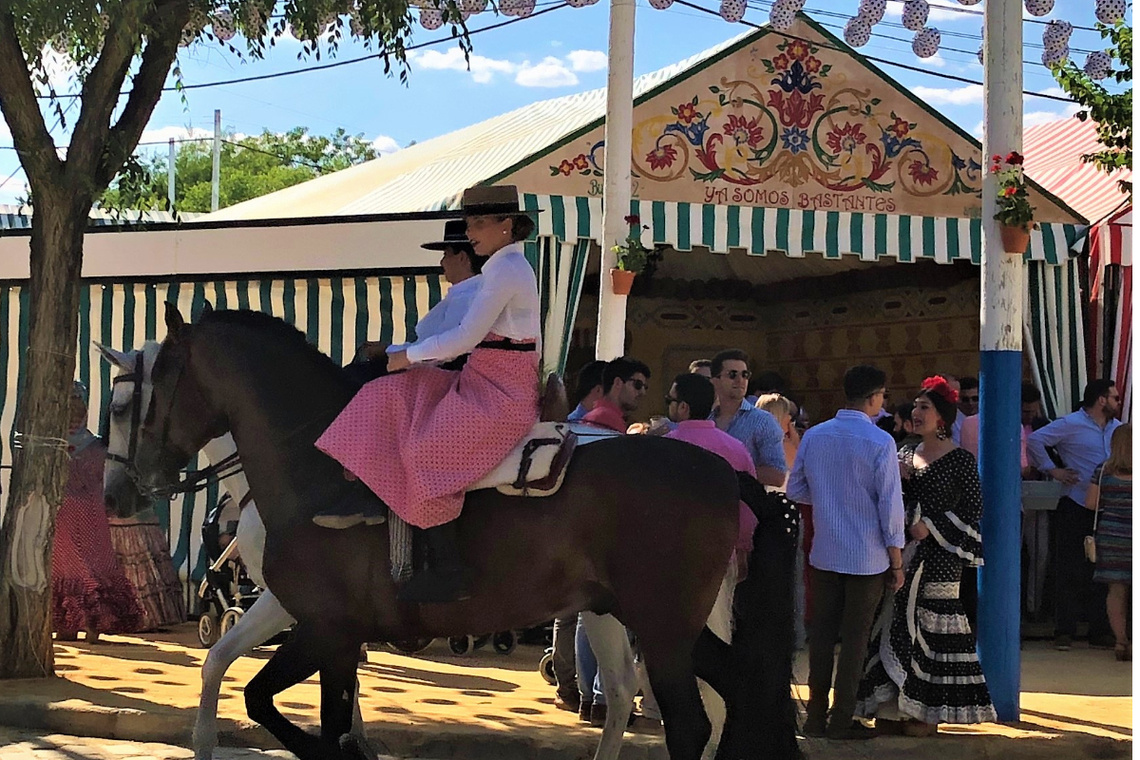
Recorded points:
(1053,153)
(427,176)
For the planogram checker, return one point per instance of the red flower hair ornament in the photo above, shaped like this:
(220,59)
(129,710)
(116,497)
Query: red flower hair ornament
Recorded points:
(938,384)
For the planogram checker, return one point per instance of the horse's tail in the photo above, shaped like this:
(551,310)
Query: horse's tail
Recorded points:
(761,715)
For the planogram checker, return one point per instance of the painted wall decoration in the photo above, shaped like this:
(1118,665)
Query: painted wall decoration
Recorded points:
(797,121)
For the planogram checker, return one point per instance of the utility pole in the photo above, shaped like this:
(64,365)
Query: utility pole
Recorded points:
(999,581)
(617,168)
(172,156)
(215,176)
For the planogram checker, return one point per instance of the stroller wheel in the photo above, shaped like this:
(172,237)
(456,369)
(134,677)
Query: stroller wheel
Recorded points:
(546,668)
(230,618)
(503,642)
(208,633)
(411,646)
(461,645)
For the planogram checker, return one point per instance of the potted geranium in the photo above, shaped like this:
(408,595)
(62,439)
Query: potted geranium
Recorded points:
(1014,214)
(632,257)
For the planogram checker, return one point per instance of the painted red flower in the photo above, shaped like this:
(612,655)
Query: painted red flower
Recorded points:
(922,172)
(661,157)
(581,163)
(744,131)
(798,50)
(812,65)
(1014,158)
(901,127)
(686,113)
(781,62)
(566,167)
(846,139)
(793,109)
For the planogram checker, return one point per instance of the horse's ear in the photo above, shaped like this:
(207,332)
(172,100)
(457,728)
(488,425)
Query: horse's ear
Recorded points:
(174,321)
(207,308)
(115,358)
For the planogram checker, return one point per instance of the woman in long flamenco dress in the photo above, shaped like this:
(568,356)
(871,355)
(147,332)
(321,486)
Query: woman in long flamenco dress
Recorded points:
(419,437)
(922,666)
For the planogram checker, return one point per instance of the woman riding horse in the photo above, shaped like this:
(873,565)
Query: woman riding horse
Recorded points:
(421,437)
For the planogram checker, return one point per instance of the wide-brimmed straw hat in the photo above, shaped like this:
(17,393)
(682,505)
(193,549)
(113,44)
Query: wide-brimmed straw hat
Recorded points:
(454,236)
(493,200)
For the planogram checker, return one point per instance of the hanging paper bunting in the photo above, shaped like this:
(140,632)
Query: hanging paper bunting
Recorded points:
(1098,65)
(1109,11)
(926,42)
(526,7)
(661,5)
(915,13)
(872,10)
(857,32)
(732,10)
(969,2)
(223,25)
(431,18)
(794,5)
(1039,7)
(981,54)
(474,6)
(781,17)
(1057,31)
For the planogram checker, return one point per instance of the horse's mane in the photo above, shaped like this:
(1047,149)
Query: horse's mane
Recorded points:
(274,327)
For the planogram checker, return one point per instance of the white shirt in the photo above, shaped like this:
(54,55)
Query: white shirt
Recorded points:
(506,304)
(446,314)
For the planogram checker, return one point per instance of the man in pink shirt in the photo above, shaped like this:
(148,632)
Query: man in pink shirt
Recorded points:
(625,382)
(690,402)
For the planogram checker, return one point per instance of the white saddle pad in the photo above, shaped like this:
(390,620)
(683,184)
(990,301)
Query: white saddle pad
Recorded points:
(506,473)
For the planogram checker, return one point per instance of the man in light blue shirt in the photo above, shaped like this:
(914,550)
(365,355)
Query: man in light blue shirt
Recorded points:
(755,428)
(1082,440)
(847,470)
(589,389)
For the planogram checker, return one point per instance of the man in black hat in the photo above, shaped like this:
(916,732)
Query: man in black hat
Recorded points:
(460,268)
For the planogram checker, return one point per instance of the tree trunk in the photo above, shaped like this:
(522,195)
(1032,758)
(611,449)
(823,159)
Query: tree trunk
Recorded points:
(41,465)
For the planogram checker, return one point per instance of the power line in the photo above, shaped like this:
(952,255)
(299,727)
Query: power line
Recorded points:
(884,61)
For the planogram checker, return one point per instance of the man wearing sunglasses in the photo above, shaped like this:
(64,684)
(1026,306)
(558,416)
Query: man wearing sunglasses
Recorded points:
(625,382)
(755,428)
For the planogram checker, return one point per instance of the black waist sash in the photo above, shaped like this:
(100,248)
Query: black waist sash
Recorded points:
(507,345)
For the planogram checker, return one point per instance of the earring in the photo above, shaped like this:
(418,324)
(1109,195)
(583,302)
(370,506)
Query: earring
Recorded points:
(941,433)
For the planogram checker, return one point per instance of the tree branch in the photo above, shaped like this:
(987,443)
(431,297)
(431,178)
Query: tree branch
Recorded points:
(21,109)
(165,24)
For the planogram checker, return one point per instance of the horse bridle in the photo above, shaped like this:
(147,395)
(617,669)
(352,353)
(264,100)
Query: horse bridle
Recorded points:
(191,483)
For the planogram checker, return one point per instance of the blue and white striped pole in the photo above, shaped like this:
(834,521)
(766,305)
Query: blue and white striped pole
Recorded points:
(999,581)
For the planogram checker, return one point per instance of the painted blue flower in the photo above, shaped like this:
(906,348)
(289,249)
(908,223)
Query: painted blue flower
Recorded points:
(795,140)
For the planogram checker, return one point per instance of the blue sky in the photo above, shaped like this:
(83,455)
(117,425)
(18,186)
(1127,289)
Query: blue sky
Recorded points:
(555,54)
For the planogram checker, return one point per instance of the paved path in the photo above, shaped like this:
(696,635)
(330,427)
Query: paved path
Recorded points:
(32,745)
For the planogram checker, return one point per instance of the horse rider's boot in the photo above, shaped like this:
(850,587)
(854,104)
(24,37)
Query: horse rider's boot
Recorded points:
(446,579)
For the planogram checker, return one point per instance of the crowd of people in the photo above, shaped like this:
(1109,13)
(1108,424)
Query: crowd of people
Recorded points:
(891,510)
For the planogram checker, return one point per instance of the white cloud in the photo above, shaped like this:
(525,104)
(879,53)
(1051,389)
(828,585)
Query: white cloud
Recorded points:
(549,72)
(163,134)
(971,94)
(482,69)
(588,60)
(1033,118)
(936,60)
(385,144)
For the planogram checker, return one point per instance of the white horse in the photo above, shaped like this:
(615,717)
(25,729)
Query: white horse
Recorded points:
(607,636)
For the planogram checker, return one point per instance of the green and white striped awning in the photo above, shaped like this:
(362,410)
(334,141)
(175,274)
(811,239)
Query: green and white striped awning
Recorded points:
(336,313)
(795,233)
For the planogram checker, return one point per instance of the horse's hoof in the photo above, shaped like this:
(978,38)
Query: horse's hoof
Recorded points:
(353,747)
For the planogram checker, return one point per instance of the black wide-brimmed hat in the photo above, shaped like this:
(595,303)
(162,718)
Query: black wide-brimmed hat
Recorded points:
(493,200)
(454,236)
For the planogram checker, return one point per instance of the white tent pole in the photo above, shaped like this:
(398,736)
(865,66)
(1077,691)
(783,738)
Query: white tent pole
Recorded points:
(616,165)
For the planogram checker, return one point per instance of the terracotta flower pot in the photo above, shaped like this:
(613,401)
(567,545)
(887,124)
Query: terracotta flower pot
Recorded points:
(1014,239)
(622,281)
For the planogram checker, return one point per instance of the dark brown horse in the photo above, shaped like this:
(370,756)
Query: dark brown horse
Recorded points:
(642,529)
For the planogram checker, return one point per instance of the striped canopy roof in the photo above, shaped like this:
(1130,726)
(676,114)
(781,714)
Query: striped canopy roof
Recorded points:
(1053,153)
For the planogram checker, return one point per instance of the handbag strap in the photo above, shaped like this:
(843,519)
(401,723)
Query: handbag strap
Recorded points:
(1099,496)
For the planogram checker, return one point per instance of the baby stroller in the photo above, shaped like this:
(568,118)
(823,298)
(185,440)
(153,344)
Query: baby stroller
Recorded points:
(227,591)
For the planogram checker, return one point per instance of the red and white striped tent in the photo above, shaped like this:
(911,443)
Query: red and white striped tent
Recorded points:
(1053,158)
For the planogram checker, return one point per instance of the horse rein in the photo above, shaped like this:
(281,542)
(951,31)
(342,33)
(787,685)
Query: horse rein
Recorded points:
(191,483)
